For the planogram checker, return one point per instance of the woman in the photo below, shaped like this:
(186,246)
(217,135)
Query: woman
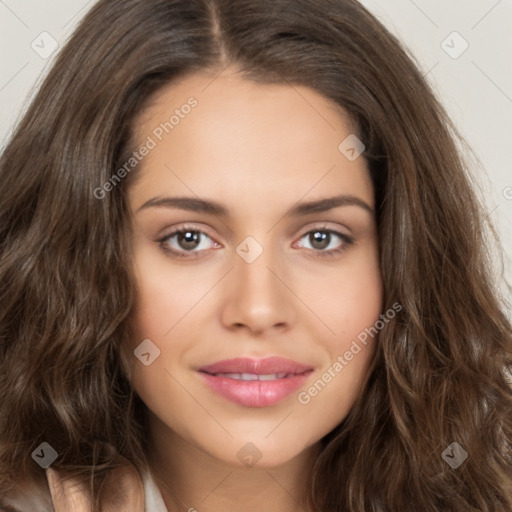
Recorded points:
(243,266)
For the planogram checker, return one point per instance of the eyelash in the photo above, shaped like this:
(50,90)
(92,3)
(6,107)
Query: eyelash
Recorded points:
(347,242)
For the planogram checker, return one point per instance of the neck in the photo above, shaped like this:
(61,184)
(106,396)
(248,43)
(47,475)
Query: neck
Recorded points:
(191,480)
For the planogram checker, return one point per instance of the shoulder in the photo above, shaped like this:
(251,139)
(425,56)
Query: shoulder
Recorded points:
(124,486)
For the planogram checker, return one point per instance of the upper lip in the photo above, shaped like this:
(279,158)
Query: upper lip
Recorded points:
(266,366)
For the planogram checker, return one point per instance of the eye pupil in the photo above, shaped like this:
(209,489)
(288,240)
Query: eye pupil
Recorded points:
(189,239)
(320,239)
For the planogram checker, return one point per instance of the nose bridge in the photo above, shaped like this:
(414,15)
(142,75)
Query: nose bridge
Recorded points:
(255,278)
(257,299)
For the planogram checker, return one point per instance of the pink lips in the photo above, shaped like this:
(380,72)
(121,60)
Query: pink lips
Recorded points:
(255,382)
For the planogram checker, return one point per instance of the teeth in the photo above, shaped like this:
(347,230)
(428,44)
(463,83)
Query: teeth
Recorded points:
(252,376)
(271,376)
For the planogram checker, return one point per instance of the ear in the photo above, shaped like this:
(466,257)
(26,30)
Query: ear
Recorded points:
(122,491)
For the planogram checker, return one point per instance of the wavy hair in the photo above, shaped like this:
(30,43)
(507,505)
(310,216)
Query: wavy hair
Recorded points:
(67,290)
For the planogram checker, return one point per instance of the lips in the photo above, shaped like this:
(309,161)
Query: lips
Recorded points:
(265,366)
(255,382)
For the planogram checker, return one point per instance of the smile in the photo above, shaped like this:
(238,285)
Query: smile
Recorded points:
(254,376)
(255,382)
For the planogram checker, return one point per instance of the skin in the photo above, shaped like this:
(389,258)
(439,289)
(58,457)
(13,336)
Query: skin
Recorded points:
(259,150)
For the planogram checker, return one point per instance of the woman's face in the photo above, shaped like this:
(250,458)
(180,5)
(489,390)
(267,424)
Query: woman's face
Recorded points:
(278,258)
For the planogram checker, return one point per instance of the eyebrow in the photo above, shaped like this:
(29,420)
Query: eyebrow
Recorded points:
(198,205)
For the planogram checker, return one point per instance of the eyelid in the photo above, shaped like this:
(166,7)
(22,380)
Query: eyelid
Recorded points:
(324,226)
(303,231)
(182,254)
(346,240)
(187,226)
(327,225)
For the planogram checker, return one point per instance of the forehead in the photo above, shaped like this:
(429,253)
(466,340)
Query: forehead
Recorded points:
(247,141)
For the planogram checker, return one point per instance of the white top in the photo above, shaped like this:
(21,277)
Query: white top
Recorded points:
(153,501)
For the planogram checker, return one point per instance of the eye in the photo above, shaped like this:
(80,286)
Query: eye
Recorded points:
(327,242)
(190,242)
(186,241)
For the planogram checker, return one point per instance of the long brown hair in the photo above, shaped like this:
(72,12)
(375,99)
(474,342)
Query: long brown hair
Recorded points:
(438,375)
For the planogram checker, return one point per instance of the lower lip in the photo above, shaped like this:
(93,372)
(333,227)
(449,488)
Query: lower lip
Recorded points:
(255,393)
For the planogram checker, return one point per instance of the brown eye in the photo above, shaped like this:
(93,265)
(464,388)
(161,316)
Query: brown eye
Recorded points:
(320,239)
(326,242)
(188,240)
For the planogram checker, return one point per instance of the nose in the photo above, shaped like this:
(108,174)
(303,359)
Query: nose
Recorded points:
(257,297)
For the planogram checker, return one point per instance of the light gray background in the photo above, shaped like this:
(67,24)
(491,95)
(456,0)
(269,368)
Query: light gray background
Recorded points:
(475,87)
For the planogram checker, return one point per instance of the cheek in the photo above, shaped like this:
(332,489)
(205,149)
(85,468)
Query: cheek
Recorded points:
(359,304)
(350,305)
(167,299)
(166,293)
(347,300)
